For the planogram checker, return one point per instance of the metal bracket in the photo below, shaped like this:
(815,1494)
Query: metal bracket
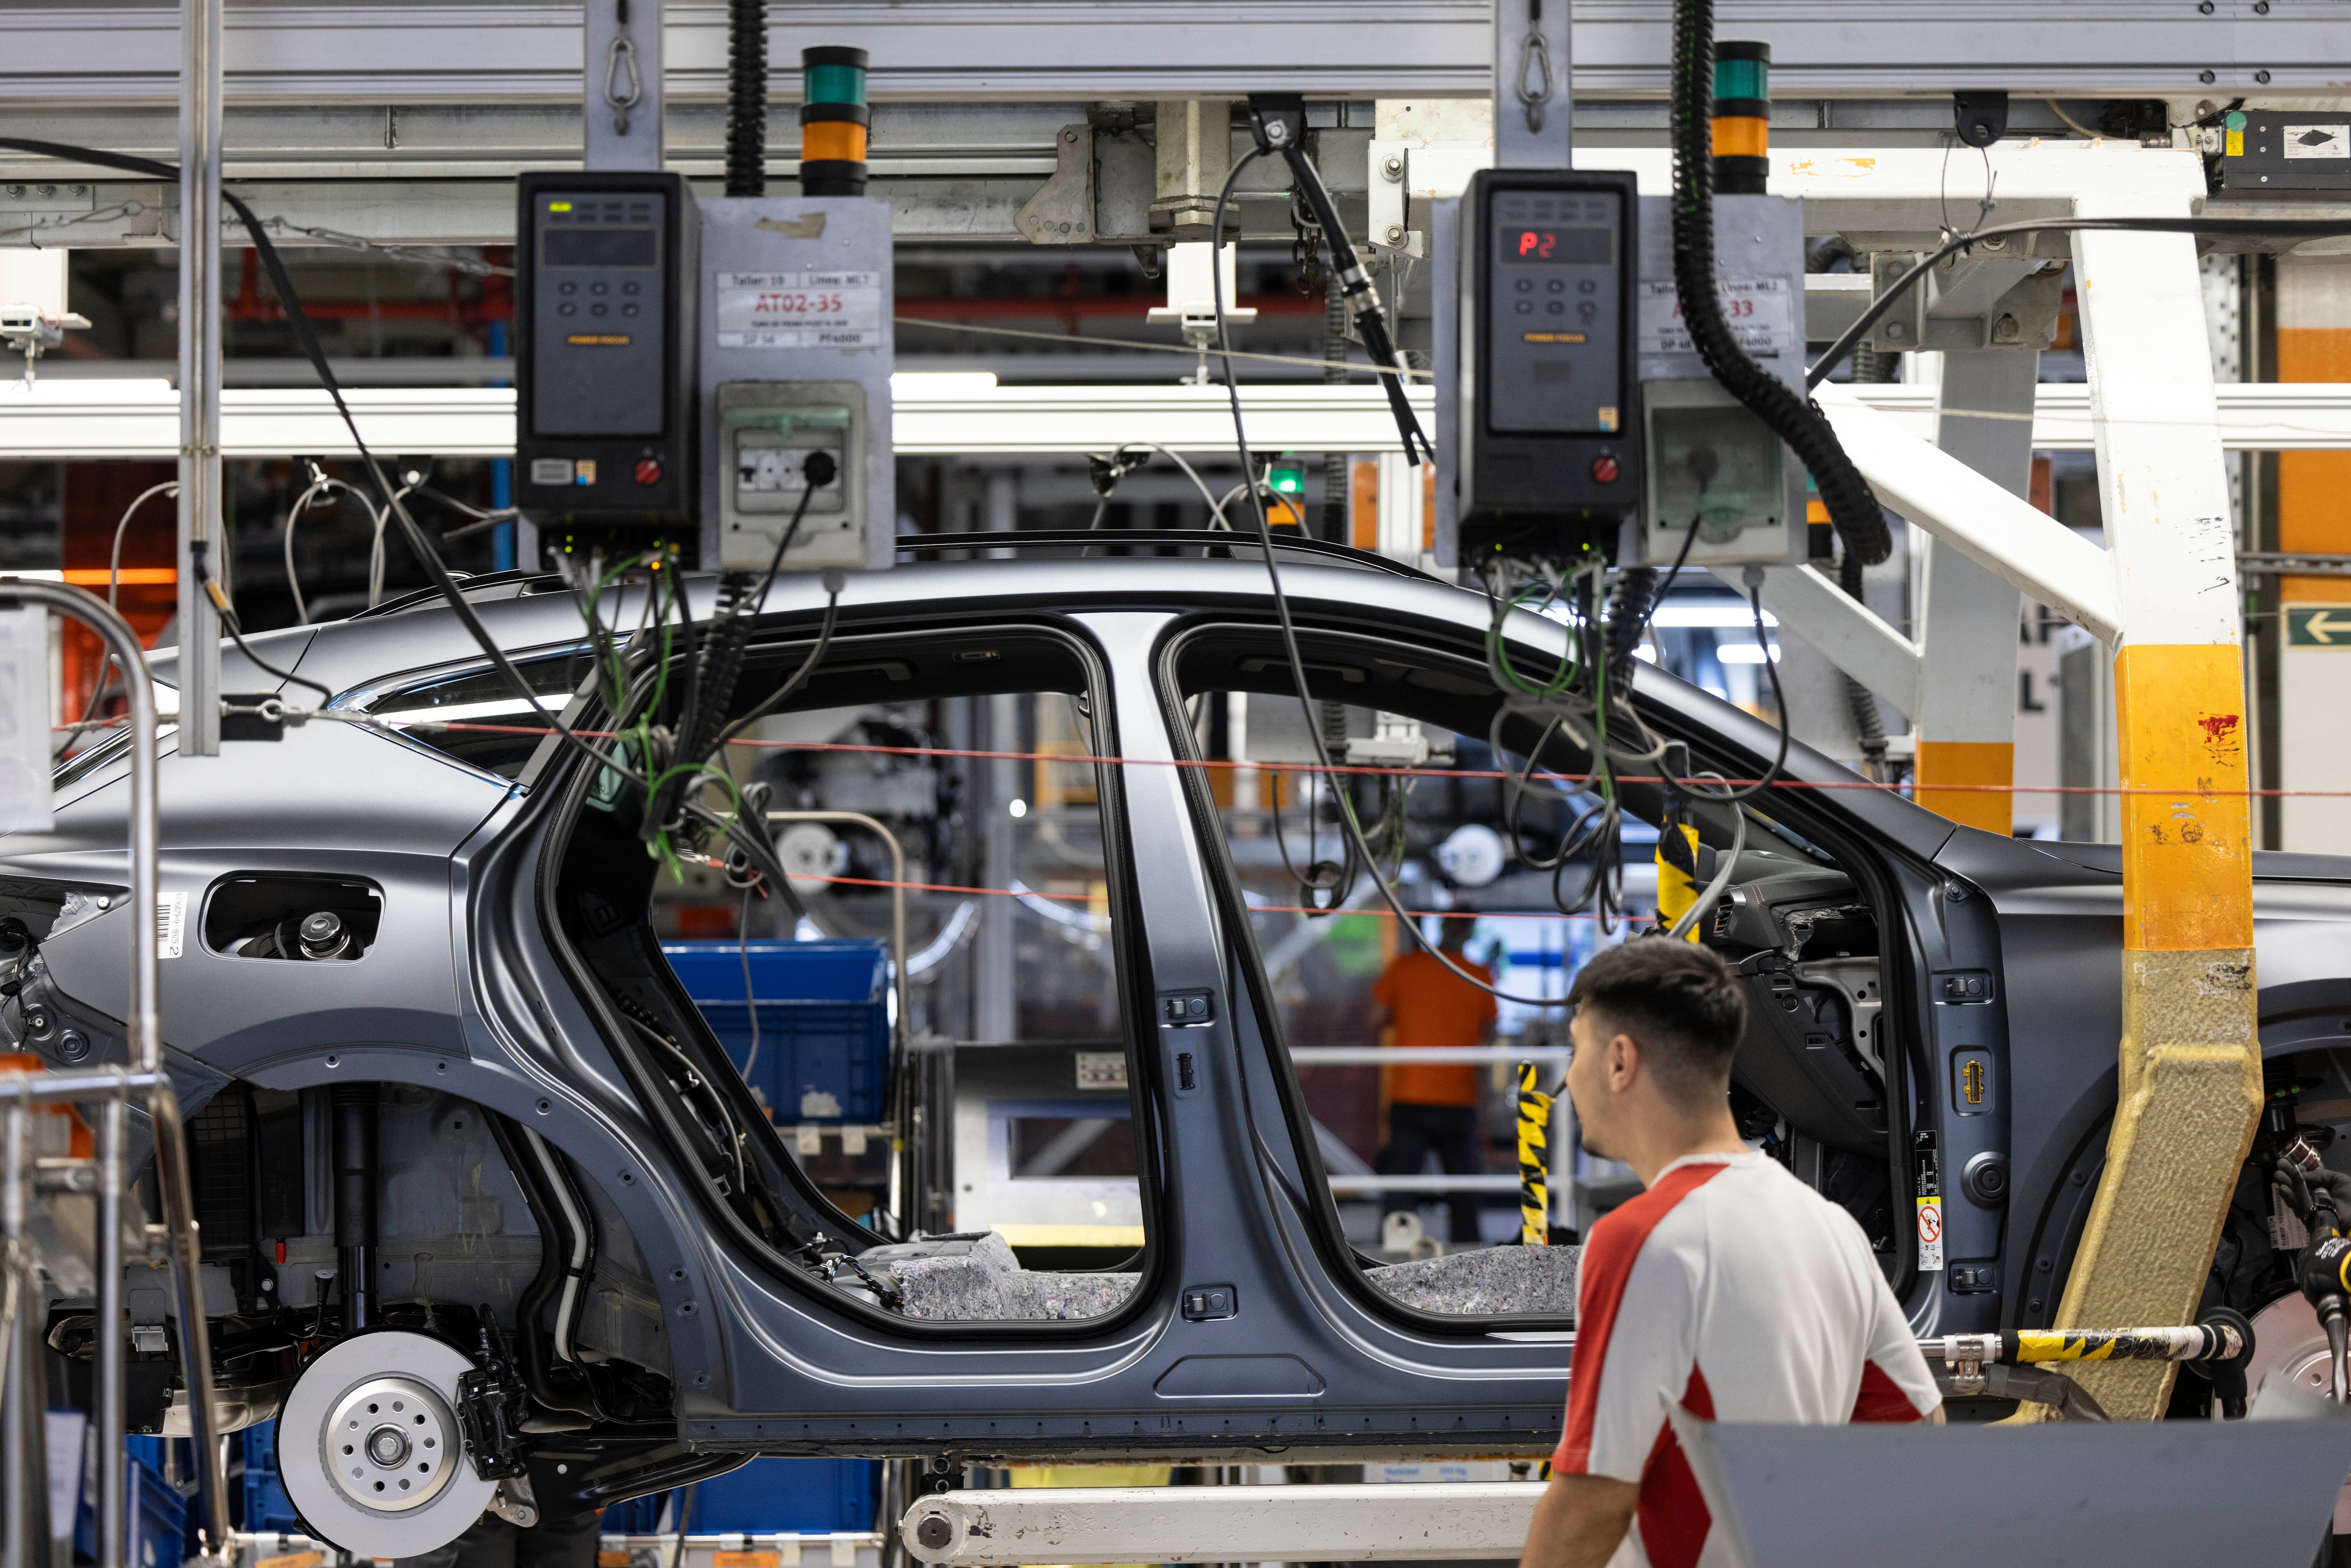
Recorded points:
(1062,211)
(1999,295)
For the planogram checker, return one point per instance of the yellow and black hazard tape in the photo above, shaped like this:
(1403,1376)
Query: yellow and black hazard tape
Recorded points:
(2197,1342)
(1534,1159)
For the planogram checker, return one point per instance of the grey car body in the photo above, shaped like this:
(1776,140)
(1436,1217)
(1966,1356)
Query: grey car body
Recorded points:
(470,993)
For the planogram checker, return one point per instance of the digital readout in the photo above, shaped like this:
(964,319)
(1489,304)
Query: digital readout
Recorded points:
(1579,246)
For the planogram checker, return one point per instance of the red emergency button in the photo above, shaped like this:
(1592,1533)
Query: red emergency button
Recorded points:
(1605,469)
(648,470)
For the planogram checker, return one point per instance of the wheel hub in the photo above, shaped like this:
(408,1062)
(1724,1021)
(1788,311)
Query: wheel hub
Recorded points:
(370,1450)
(391,1443)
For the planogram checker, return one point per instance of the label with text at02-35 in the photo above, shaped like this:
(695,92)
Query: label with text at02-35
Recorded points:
(799,309)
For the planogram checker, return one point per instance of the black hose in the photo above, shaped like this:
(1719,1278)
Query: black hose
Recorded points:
(1868,723)
(746,97)
(1853,509)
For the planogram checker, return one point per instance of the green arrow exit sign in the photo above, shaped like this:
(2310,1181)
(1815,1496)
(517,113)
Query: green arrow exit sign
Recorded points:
(2318,626)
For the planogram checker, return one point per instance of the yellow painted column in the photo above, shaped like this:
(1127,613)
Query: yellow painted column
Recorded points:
(1963,763)
(2190,1076)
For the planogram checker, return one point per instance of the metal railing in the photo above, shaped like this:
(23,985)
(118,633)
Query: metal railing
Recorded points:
(110,1090)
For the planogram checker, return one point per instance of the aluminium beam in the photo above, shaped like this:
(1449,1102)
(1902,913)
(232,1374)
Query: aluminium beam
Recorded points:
(1139,48)
(73,414)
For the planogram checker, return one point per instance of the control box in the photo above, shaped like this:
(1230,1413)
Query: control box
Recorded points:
(1546,428)
(605,427)
(794,357)
(1711,464)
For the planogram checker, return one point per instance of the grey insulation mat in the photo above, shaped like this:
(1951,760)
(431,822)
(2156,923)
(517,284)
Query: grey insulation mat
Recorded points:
(1532,1279)
(979,1279)
(983,1279)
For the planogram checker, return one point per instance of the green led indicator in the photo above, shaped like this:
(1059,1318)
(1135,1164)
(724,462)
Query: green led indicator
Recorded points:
(1286,477)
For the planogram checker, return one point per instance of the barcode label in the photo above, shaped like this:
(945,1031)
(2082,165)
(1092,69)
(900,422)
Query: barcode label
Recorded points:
(171,924)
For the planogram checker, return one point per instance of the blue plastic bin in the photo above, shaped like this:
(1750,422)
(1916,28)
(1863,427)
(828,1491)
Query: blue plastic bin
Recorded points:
(156,1517)
(824,1020)
(776,1497)
(267,1507)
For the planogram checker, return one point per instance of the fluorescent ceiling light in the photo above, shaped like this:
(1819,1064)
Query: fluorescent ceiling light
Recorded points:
(1723,613)
(940,383)
(1742,654)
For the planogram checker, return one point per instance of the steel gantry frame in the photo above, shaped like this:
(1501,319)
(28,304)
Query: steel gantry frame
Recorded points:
(972,49)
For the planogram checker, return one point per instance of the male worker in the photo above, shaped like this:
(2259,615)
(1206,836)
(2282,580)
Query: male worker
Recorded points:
(1728,1285)
(1434,1105)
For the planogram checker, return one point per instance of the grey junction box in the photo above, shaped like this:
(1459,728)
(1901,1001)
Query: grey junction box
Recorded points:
(795,353)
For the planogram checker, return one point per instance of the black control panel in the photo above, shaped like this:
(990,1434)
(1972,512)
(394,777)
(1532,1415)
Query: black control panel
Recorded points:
(604,273)
(1550,446)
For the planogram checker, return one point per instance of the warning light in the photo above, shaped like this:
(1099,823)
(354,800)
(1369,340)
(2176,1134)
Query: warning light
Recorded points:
(1287,476)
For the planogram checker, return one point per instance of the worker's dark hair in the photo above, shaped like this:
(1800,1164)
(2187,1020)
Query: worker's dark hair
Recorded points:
(1680,1001)
(1460,923)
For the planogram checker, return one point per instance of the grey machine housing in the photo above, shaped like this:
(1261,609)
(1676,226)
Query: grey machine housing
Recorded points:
(1758,244)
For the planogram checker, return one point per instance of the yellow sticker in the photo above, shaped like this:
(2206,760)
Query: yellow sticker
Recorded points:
(598,339)
(747,1559)
(292,1560)
(2236,144)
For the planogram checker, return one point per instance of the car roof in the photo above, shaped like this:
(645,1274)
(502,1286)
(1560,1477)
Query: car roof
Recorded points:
(1326,586)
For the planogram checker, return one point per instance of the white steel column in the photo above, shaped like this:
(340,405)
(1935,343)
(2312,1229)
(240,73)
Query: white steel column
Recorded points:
(202,546)
(995,965)
(2190,1075)
(1967,717)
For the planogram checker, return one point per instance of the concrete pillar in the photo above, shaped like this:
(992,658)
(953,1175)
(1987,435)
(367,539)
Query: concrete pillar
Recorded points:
(2313,344)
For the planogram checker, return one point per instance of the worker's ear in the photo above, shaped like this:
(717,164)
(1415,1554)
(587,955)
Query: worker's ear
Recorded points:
(1622,1062)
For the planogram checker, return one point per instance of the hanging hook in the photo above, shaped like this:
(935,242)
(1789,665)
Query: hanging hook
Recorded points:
(1535,54)
(623,54)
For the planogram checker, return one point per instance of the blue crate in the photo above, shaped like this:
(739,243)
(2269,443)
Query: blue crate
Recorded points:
(267,1509)
(776,1497)
(155,1515)
(824,1020)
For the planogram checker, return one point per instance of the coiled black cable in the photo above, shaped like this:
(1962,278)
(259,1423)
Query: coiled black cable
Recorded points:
(1853,509)
(1867,724)
(1630,604)
(746,97)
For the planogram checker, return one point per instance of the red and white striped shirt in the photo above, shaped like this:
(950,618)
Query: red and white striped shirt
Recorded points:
(1734,1287)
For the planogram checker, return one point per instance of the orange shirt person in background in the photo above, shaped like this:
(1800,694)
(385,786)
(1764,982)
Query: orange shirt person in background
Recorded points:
(1431,1105)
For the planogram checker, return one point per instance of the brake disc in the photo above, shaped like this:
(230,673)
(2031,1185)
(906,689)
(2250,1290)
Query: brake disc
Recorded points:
(369,1449)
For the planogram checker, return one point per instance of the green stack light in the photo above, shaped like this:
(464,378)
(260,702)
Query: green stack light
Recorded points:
(834,121)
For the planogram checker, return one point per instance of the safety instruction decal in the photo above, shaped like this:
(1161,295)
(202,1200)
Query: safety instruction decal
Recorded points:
(799,309)
(1930,1204)
(1760,311)
(171,924)
(2331,139)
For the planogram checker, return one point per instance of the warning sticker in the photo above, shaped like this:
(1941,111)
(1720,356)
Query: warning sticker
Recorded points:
(1930,1234)
(1760,310)
(1927,1151)
(799,309)
(2314,141)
